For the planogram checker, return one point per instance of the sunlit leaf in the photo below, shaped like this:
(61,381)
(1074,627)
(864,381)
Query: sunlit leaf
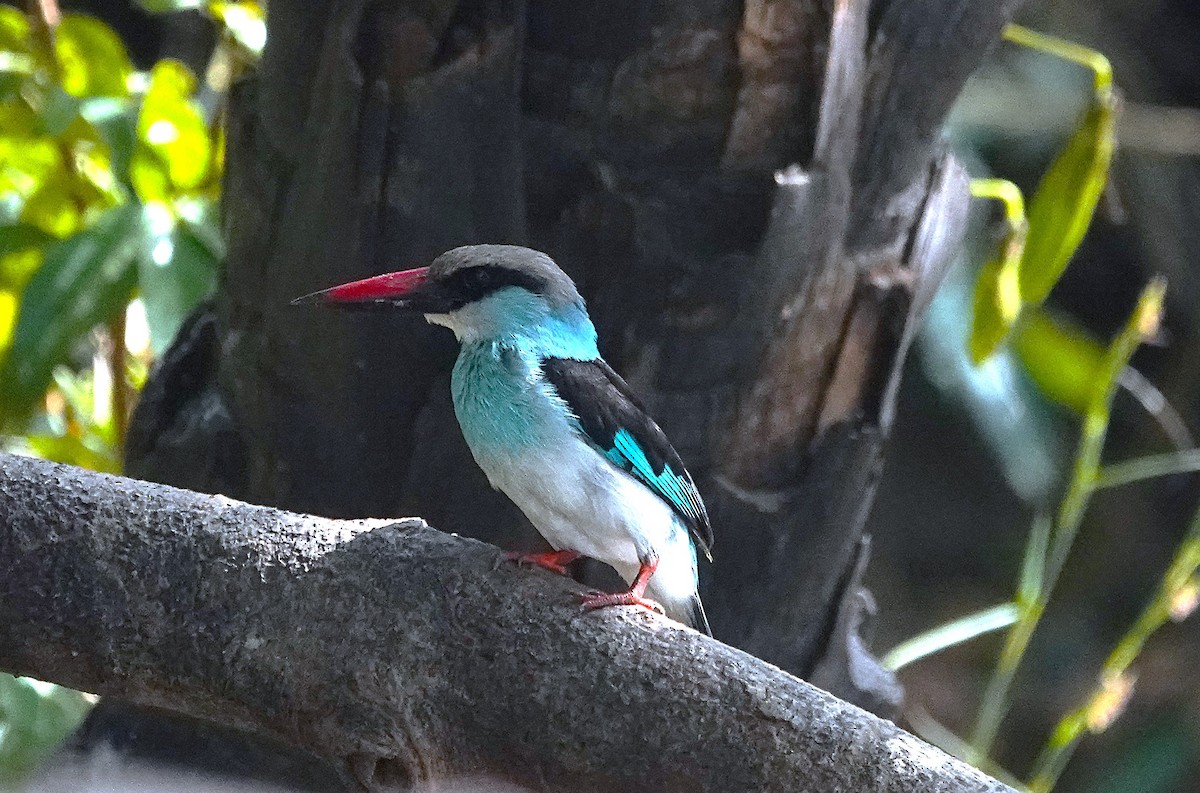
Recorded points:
(71,450)
(14,30)
(1066,199)
(1063,361)
(997,299)
(174,151)
(94,61)
(177,271)
(54,207)
(8,317)
(84,281)
(26,162)
(245,21)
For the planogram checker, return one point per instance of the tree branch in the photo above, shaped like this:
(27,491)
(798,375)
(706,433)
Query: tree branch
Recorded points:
(405,654)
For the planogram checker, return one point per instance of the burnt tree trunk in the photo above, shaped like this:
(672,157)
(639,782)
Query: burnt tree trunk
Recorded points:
(752,196)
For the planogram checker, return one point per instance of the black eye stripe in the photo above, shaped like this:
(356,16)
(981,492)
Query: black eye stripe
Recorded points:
(473,283)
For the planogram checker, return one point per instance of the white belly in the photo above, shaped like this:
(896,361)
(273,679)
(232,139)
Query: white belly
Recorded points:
(578,500)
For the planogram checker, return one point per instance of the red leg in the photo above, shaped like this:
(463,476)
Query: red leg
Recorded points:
(554,561)
(632,597)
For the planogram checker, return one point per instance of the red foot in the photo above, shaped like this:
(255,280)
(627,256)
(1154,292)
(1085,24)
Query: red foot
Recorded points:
(554,561)
(599,600)
(633,597)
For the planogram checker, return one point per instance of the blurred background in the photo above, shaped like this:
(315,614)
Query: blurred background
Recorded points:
(977,453)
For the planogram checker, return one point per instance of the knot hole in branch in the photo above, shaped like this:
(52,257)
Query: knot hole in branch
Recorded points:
(383,774)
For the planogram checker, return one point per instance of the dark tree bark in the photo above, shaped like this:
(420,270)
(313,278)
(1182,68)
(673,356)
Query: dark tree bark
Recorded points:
(751,196)
(406,656)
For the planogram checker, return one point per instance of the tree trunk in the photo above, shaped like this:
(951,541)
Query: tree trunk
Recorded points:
(751,196)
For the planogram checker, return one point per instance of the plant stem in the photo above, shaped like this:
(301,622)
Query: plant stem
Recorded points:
(1142,468)
(1035,591)
(120,384)
(939,735)
(1032,602)
(950,634)
(1005,192)
(1067,50)
(1173,600)
(44,17)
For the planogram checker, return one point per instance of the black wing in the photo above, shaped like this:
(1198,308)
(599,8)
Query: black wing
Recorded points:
(613,418)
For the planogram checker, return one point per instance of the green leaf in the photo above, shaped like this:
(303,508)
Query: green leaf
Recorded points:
(14,30)
(997,299)
(1062,360)
(115,123)
(21,248)
(174,151)
(34,718)
(20,236)
(53,207)
(71,450)
(1066,199)
(175,274)
(84,281)
(58,111)
(94,61)
(25,162)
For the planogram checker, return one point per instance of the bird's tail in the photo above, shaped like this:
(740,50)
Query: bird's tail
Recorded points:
(686,609)
(699,618)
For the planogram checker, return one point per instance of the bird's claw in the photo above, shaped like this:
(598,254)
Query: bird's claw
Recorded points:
(599,600)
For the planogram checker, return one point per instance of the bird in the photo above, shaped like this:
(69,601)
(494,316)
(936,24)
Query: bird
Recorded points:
(551,424)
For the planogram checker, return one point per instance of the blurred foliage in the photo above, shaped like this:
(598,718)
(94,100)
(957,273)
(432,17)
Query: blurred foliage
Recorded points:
(1012,286)
(109,182)
(33,716)
(1014,338)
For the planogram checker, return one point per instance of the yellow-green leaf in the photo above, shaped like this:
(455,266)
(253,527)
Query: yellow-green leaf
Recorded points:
(17,119)
(53,207)
(94,61)
(14,30)
(174,151)
(25,163)
(997,301)
(8,317)
(1066,199)
(72,450)
(1063,361)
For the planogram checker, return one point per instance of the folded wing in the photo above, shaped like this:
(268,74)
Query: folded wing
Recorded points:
(612,417)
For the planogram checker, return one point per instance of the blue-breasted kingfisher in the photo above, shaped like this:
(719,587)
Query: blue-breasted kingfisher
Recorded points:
(552,425)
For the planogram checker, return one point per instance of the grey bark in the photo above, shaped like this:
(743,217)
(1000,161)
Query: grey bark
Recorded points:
(404,655)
